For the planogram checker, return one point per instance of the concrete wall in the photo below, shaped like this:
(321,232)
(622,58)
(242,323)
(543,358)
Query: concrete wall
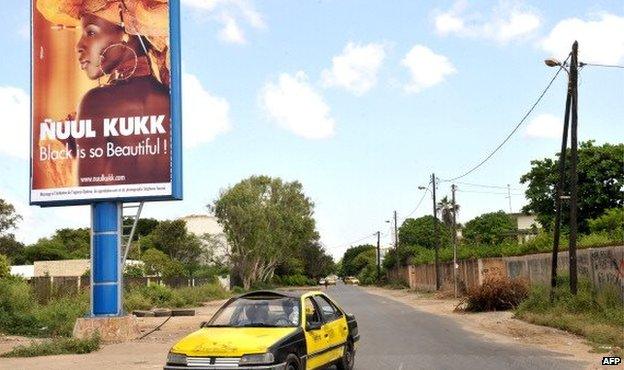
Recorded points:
(602,266)
(61,268)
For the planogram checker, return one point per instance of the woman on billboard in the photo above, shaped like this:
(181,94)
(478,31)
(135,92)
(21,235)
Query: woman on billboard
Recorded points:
(123,45)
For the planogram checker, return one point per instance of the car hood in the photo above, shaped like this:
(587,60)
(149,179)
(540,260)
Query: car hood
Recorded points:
(229,342)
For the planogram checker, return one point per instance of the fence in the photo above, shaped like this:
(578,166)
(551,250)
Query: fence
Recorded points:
(601,266)
(46,287)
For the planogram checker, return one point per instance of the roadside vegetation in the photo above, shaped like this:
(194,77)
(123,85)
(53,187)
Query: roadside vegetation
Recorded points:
(22,314)
(595,315)
(55,346)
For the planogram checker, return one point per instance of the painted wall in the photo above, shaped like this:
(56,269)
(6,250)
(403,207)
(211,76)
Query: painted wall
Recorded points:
(602,266)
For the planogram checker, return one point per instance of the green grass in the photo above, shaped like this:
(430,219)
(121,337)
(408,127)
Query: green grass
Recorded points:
(56,346)
(595,315)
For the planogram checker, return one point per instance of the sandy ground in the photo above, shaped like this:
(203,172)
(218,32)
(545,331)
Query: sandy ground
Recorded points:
(500,326)
(148,353)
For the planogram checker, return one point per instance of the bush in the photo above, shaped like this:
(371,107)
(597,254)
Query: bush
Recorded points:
(368,276)
(5,266)
(56,346)
(611,222)
(295,280)
(148,297)
(58,316)
(497,293)
(16,304)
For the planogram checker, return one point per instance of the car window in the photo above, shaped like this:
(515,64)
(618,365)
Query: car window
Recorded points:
(329,311)
(264,311)
(311,312)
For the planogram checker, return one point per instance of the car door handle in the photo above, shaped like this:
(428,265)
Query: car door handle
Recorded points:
(326,335)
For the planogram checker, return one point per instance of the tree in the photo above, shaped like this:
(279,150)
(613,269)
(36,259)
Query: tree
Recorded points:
(420,231)
(317,263)
(266,221)
(173,239)
(490,228)
(12,248)
(144,226)
(45,250)
(8,217)
(158,263)
(447,211)
(8,220)
(77,242)
(600,178)
(349,266)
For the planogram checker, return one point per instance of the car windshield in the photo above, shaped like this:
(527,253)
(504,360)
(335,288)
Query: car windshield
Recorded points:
(259,312)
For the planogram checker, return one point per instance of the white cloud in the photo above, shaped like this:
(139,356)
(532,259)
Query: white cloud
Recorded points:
(293,104)
(447,23)
(426,68)
(15,107)
(231,32)
(600,40)
(503,25)
(204,115)
(230,13)
(356,68)
(545,126)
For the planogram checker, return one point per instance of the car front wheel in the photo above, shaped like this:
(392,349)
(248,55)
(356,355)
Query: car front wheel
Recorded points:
(292,362)
(348,358)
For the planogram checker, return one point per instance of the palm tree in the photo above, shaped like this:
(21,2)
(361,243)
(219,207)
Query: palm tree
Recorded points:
(445,207)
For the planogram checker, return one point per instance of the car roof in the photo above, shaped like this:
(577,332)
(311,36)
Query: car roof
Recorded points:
(259,294)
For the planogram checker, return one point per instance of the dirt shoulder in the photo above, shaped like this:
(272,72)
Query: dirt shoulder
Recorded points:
(147,353)
(500,326)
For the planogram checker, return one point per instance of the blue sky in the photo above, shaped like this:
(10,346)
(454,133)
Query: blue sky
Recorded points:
(358,100)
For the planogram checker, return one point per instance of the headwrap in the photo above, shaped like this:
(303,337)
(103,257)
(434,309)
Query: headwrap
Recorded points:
(146,18)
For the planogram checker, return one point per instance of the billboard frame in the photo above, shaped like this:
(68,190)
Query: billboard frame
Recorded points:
(175,114)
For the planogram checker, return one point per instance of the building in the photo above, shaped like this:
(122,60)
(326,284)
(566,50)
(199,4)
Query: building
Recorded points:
(206,225)
(65,267)
(527,224)
(25,271)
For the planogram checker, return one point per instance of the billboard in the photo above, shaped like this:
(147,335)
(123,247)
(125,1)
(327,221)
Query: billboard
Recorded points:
(105,120)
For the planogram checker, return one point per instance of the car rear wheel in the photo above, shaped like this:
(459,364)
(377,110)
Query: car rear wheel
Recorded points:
(348,358)
(293,363)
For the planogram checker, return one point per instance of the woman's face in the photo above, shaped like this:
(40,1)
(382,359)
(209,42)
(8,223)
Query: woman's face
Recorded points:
(97,35)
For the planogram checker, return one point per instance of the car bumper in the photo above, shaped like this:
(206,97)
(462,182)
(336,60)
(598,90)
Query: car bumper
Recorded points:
(281,366)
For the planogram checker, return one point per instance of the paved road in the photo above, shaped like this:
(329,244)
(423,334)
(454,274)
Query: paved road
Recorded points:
(397,336)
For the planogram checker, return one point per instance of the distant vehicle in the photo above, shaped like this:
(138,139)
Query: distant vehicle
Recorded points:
(323,281)
(331,279)
(271,330)
(351,280)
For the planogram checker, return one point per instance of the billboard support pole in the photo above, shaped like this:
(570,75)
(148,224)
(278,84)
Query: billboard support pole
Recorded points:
(106,269)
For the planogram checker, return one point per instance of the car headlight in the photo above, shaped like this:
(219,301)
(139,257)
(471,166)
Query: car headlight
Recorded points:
(259,359)
(176,359)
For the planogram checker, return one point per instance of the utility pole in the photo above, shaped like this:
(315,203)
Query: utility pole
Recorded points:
(436,234)
(559,193)
(453,188)
(509,197)
(378,256)
(396,245)
(573,162)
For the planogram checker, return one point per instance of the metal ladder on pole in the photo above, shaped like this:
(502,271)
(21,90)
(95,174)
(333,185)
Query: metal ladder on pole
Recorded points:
(131,211)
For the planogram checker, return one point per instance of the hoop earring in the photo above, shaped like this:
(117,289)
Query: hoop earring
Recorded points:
(119,75)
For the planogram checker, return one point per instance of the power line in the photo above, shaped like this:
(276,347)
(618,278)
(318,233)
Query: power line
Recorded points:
(526,115)
(485,192)
(418,205)
(600,65)
(487,186)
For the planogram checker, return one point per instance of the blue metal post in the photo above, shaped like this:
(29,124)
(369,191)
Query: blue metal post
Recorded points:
(106,274)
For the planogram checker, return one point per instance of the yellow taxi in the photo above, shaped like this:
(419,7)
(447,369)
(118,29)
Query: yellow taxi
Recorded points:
(271,330)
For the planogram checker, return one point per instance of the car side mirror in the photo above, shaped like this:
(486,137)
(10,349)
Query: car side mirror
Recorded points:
(311,326)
